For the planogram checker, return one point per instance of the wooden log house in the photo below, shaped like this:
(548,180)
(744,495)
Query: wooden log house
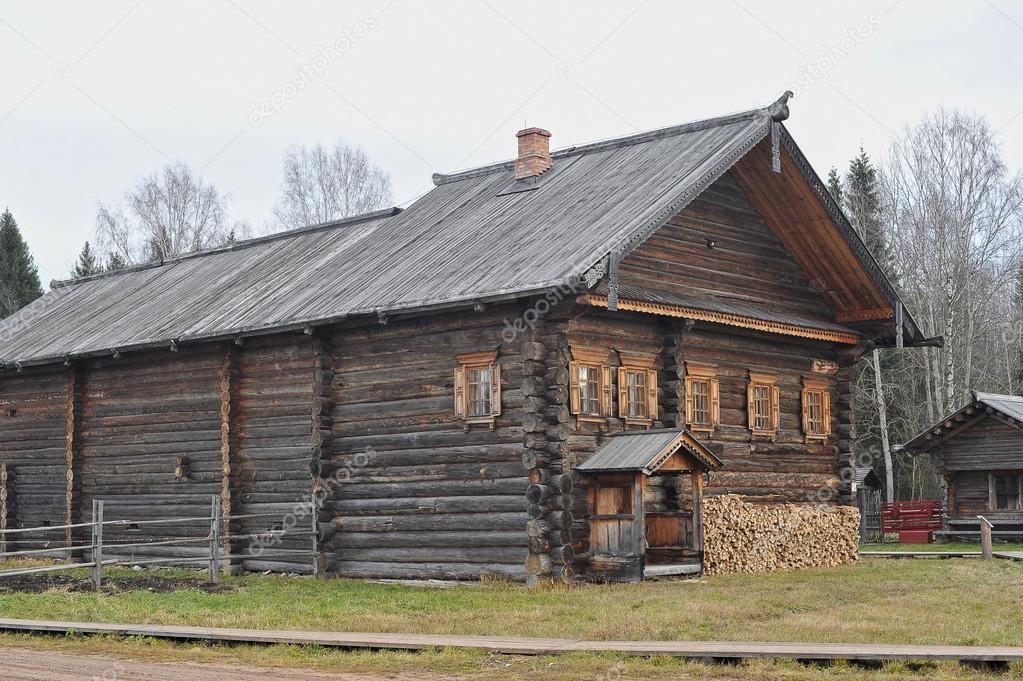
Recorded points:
(475,384)
(979,451)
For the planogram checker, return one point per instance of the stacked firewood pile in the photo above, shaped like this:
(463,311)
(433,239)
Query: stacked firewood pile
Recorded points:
(744,537)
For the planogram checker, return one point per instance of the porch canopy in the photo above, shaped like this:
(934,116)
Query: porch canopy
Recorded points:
(649,451)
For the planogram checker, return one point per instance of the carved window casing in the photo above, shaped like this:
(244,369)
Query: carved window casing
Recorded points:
(590,389)
(637,390)
(703,398)
(816,409)
(763,400)
(478,388)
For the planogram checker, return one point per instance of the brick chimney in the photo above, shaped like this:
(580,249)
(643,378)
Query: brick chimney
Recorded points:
(534,153)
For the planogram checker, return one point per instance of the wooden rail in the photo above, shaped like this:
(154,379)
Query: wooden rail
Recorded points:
(98,547)
(535,646)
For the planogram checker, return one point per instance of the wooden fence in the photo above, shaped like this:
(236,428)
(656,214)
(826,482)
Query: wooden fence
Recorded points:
(216,546)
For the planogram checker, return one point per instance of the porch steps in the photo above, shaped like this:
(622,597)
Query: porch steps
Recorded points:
(671,570)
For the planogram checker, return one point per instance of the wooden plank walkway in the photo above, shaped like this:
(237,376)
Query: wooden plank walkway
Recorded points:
(921,554)
(1009,555)
(535,646)
(1006,555)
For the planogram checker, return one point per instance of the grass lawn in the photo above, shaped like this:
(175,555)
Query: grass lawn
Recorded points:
(964,602)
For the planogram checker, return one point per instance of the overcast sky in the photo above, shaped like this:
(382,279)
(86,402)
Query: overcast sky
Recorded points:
(97,94)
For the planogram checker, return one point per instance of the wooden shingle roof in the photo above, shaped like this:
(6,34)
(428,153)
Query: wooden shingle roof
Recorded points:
(646,451)
(1006,408)
(478,236)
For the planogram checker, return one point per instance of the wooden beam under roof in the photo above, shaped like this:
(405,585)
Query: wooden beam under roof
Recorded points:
(797,216)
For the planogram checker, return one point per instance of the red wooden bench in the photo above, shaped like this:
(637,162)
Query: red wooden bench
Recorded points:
(913,520)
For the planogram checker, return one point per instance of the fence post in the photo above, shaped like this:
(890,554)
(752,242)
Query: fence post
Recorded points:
(4,498)
(214,538)
(317,567)
(97,542)
(985,537)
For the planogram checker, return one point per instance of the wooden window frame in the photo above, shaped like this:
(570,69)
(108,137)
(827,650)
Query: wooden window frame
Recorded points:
(822,388)
(697,373)
(769,382)
(638,364)
(466,363)
(589,358)
(992,503)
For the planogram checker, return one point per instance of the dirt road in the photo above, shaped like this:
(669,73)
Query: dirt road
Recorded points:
(28,665)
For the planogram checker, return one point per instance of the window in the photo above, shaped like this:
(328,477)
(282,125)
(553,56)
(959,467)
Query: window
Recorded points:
(478,381)
(816,409)
(1005,489)
(589,389)
(590,384)
(478,388)
(762,397)
(637,389)
(703,403)
(636,402)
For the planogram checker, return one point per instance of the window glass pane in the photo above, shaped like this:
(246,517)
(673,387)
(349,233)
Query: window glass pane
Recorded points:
(589,396)
(1007,492)
(701,403)
(636,393)
(815,412)
(761,407)
(479,391)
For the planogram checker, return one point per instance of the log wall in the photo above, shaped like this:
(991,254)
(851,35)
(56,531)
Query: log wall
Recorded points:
(273,458)
(988,445)
(33,445)
(969,457)
(416,494)
(361,415)
(546,454)
(748,264)
(140,414)
(969,494)
(787,467)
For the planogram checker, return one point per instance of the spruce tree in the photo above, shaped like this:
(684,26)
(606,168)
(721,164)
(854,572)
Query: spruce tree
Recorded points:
(835,185)
(116,262)
(862,199)
(19,277)
(88,264)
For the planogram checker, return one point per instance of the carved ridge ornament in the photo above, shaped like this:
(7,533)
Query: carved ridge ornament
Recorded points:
(848,338)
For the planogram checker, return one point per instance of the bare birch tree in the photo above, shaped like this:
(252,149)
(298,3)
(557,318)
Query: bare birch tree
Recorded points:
(322,184)
(167,214)
(953,211)
(948,234)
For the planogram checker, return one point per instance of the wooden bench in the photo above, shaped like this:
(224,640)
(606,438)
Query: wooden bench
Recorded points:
(914,521)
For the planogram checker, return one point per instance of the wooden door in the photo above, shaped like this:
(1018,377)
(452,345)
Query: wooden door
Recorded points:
(616,527)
